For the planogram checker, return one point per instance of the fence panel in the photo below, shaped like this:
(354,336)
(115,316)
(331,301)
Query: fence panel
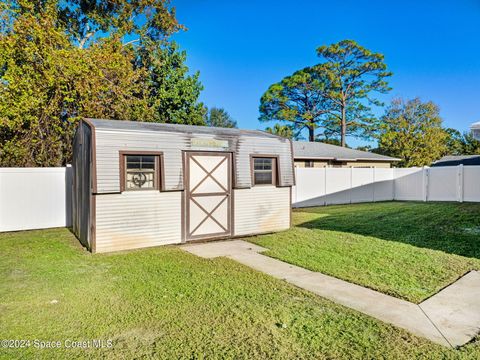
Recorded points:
(471,183)
(409,184)
(383,185)
(442,184)
(338,185)
(310,187)
(35,198)
(363,189)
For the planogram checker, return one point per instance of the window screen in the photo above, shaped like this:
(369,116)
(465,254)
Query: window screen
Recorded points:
(264,170)
(141,172)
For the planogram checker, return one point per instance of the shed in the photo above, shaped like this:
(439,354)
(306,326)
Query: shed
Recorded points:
(138,184)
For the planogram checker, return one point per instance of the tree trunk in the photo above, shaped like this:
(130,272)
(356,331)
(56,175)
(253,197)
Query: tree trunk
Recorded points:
(343,133)
(311,133)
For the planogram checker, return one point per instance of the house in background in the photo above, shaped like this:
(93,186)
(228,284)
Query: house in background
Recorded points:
(141,184)
(467,160)
(475,127)
(317,154)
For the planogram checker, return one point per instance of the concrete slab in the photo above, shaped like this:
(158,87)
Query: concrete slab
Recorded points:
(270,266)
(449,318)
(221,248)
(455,310)
(395,311)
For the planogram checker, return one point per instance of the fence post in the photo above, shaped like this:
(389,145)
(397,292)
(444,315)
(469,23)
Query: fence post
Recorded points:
(373,184)
(425,183)
(295,194)
(351,183)
(325,186)
(394,181)
(460,183)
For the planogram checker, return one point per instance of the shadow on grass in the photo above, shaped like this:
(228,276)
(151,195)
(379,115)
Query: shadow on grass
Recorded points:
(449,227)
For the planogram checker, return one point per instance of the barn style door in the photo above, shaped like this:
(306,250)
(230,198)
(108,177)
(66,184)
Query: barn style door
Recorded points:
(208,187)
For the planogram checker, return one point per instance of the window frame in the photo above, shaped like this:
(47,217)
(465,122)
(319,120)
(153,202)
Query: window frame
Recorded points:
(275,168)
(159,172)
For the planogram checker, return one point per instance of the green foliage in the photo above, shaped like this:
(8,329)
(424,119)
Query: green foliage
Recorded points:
(171,93)
(412,131)
(297,100)
(365,148)
(353,73)
(60,61)
(461,144)
(331,141)
(286,131)
(334,95)
(219,117)
(471,146)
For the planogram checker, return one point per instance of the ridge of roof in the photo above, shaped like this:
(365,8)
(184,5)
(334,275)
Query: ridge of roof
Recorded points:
(319,150)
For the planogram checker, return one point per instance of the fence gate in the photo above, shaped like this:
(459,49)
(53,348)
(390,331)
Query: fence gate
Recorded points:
(208,186)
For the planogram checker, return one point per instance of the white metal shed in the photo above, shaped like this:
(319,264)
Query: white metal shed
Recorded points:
(141,184)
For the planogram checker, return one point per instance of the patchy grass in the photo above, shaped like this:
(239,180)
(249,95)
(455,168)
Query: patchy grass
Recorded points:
(408,250)
(165,303)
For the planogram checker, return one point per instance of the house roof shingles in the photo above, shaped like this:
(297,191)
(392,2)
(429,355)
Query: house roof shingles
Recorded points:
(322,151)
(458,160)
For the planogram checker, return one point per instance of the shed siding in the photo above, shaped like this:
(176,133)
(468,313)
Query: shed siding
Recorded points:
(109,143)
(137,219)
(263,146)
(261,209)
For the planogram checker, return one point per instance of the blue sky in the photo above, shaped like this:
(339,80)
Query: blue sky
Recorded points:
(242,47)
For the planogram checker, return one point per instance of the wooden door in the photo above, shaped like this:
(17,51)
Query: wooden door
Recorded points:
(208,187)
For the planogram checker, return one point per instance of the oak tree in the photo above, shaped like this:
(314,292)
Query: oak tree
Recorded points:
(63,60)
(412,131)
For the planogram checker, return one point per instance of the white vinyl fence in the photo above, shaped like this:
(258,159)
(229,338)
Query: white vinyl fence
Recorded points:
(326,186)
(35,198)
(39,198)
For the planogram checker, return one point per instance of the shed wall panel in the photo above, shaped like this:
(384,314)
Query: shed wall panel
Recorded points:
(110,142)
(136,219)
(263,146)
(261,209)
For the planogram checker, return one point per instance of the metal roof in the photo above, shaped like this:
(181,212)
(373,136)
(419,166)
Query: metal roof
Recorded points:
(123,125)
(318,150)
(458,160)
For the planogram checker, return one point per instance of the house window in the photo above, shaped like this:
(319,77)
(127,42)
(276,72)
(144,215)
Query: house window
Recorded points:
(140,172)
(264,170)
(309,163)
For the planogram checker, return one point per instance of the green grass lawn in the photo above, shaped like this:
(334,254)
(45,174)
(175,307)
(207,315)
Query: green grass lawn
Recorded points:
(408,250)
(165,303)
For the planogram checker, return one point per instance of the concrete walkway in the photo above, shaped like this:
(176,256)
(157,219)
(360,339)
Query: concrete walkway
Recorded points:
(449,318)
